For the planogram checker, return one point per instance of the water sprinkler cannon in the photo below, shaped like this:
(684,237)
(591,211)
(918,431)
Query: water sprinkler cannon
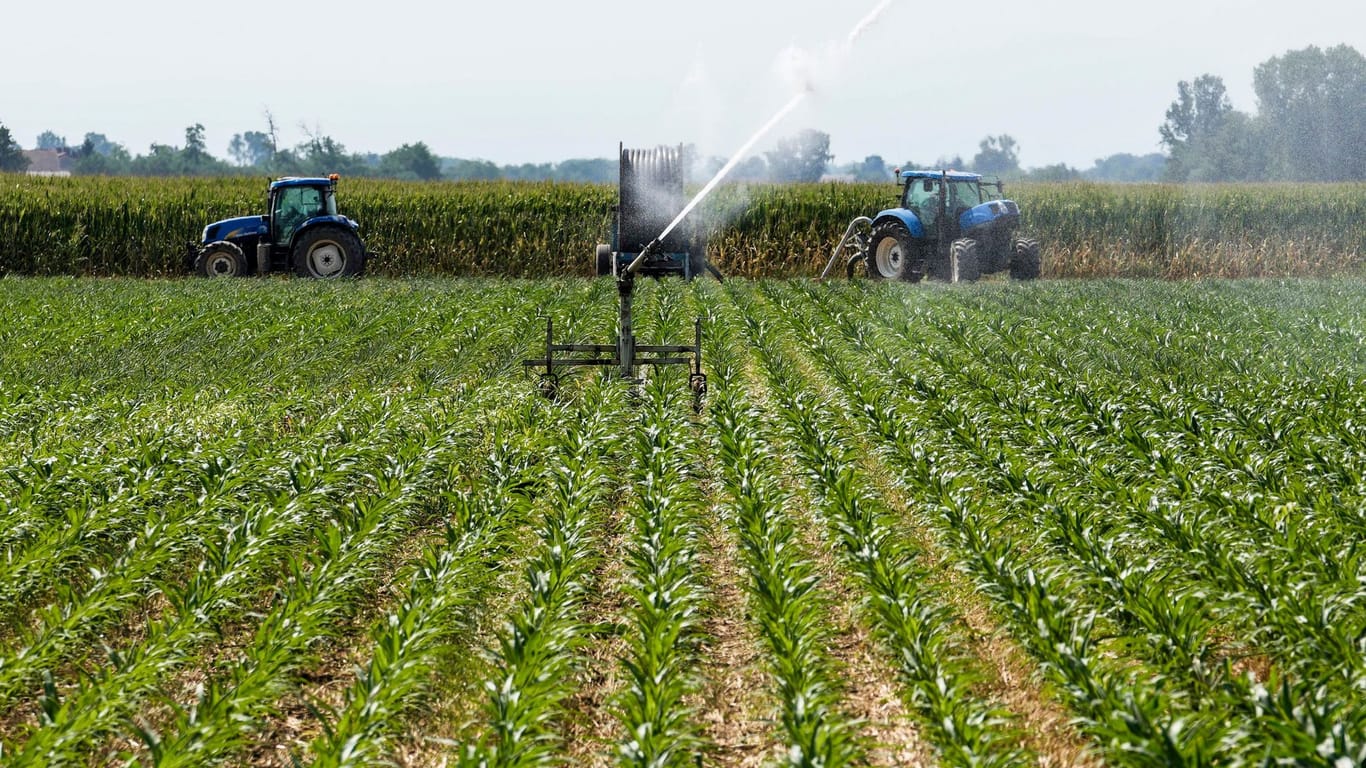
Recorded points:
(651,248)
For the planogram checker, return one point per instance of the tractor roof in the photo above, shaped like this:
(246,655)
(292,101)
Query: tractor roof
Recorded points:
(953,175)
(291,181)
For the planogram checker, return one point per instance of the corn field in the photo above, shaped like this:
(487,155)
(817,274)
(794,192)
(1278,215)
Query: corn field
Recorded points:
(286,522)
(139,227)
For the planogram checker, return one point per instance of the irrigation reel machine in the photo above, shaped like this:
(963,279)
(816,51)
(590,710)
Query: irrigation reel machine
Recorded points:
(649,239)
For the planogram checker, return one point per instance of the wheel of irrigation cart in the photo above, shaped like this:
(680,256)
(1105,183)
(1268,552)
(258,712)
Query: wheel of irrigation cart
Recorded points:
(891,253)
(221,259)
(604,259)
(963,264)
(328,252)
(1025,260)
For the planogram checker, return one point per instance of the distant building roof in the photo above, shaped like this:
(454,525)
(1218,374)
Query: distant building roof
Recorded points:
(48,162)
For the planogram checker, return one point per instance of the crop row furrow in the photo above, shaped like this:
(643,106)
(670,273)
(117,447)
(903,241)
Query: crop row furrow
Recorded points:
(784,586)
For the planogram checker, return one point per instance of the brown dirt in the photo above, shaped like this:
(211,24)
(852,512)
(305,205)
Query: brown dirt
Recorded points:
(733,705)
(591,730)
(456,714)
(871,692)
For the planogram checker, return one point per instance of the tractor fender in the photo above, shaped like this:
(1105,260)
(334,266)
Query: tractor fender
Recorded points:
(907,218)
(342,221)
(316,221)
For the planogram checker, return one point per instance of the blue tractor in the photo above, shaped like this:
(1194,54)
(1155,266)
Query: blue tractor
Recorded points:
(949,226)
(302,232)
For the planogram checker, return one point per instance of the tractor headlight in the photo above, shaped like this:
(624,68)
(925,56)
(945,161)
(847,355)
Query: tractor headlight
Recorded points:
(997,209)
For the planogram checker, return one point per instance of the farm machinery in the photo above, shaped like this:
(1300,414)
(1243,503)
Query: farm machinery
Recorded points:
(300,231)
(646,240)
(949,226)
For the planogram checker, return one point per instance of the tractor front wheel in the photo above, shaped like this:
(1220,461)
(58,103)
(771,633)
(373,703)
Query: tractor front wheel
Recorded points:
(220,259)
(1025,261)
(891,253)
(964,266)
(328,252)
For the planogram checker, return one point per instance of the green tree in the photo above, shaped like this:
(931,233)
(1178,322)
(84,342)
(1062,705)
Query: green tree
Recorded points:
(873,168)
(1055,172)
(106,159)
(195,148)
(998,155)
(100,144)
(1193,125)
(954,163)
(800,158)
(1312,110)
(50,140)
(470,170)
(11,154)
(1127,167)
(410,161)
(251,149)
(321,155)
(588,171)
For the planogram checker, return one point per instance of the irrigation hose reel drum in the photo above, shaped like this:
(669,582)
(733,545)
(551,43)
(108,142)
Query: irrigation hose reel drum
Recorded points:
(649,238)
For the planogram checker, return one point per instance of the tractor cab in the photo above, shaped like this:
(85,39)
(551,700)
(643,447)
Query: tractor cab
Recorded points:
(940,199)
(293,204)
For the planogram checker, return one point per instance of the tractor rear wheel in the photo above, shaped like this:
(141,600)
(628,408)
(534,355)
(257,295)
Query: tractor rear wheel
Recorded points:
(328,252)
(1025,260)
(604,259)
(221,259)
(963,264)
(891,253)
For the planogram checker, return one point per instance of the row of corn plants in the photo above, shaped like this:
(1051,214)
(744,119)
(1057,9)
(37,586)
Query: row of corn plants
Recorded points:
(139,226)
(216,497)
(152,559)
(531,674)
(785,590)
(910,616)
(234,568)
(538,650)
(422,636)
(1237,540)
(665,586)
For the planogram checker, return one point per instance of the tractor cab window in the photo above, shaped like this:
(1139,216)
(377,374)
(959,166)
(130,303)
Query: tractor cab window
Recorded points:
(294,206)
(922,196)
(921,192)
(964,194)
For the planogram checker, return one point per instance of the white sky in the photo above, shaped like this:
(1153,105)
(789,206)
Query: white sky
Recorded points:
(535,81)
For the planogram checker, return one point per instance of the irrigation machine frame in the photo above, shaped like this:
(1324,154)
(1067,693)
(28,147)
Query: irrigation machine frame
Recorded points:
(647,241)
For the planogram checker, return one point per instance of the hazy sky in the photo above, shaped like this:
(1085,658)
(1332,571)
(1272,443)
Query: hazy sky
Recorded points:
(518,81)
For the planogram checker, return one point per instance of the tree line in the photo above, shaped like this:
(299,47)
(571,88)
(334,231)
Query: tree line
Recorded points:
(1310,125)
